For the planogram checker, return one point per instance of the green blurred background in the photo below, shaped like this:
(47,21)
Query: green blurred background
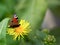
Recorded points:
(34,11)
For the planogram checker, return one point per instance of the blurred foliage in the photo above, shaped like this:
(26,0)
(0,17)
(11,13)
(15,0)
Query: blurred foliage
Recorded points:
(50,40)
(30,10)
(56,33)
(54,5)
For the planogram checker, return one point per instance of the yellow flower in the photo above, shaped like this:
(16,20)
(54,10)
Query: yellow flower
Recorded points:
(20,31)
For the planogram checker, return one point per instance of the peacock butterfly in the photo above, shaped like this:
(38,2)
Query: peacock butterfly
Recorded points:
(14,22)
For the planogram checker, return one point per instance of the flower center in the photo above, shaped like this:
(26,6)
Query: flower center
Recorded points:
(19,29)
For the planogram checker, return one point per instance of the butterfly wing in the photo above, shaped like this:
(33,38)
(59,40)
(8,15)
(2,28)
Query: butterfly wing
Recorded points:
(14,22)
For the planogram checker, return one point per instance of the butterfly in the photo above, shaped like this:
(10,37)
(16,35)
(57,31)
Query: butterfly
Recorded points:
(14,22)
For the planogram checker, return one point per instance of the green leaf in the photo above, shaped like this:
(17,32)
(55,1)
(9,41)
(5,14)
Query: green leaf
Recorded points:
(3,25)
